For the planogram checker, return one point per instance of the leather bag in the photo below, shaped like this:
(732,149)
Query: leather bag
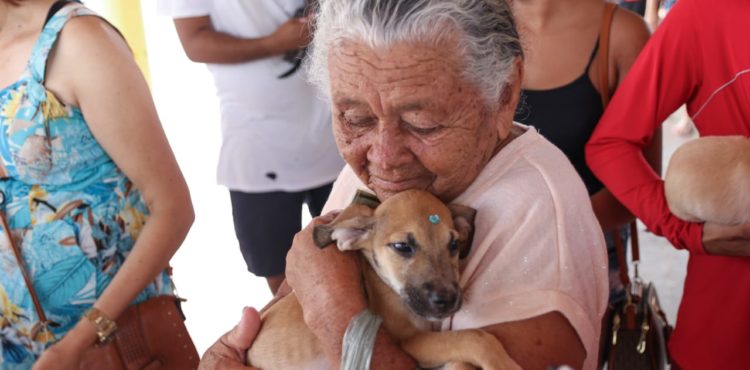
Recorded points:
(639,328)
(150,335)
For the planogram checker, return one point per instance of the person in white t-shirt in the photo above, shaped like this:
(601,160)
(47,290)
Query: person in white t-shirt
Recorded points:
(277,147)
(423,95)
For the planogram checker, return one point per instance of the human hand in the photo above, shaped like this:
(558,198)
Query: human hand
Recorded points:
(57,358)
(65,354)
(230,351)
(327,283)
(292,35)
(727,240)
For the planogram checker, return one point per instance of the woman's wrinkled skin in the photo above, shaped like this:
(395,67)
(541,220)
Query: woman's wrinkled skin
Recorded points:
(403,118)
(406,118)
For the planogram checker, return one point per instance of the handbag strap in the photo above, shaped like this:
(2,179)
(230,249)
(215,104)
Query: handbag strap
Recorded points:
(636,257)
(604,37)
(606,26)
(22,266)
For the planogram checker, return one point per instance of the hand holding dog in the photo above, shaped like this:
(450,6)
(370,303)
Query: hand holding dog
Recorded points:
(229,352)
(328,286)
(321,277)
(726,240)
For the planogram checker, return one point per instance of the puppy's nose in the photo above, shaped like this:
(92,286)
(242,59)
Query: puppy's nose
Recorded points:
(443,299)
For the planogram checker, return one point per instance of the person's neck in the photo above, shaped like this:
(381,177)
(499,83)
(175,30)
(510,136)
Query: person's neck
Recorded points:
(513,133)
(542,14)
(19,19)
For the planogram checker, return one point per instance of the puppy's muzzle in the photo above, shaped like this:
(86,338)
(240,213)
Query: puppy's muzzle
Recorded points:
(433,301)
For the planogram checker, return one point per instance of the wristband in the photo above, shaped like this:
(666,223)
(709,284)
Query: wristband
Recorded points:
(359,341)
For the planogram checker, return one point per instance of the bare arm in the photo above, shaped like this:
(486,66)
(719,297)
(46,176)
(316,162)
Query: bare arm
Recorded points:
(93,69)
(651,15)
(726,240)
(541,341)
(203,44)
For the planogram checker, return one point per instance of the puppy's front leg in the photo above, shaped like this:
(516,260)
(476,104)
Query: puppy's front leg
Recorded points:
(476,347)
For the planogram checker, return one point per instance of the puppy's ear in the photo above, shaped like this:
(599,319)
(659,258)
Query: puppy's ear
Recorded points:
(463,221)
(352,226)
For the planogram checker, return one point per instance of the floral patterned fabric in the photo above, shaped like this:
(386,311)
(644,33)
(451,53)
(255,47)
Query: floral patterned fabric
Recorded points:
(73,212)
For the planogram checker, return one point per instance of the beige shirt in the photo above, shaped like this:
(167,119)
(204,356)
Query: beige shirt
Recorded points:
(537,245)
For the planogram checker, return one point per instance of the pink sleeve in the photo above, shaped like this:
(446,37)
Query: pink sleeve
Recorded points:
(343,191)
(664,76)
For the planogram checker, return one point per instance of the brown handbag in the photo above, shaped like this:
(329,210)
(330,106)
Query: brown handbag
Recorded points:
(151,335)
(639,330)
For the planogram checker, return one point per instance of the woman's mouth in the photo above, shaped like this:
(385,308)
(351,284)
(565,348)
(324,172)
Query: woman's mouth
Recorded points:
(396,185)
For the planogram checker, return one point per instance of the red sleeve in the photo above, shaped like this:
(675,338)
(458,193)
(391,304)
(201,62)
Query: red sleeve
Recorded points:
(663,77)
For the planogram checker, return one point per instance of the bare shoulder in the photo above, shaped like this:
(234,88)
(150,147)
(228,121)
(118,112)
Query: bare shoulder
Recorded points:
(629,34)
(90,34)
(89,52)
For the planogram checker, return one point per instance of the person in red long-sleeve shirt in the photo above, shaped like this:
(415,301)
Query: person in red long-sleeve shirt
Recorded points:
(700,56)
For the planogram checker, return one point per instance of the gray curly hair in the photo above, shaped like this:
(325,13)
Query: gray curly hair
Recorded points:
(488,39)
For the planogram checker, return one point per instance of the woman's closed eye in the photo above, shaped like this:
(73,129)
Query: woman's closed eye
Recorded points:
(423,129)
(354,120)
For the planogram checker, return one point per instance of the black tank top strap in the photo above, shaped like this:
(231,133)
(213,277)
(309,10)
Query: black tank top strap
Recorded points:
(592,57)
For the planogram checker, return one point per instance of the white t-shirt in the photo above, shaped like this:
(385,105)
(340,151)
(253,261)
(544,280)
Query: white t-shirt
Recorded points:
(276,133)
(537,245)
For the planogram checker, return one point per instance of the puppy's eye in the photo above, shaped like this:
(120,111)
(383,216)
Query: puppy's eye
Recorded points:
(453,247)
(403,249)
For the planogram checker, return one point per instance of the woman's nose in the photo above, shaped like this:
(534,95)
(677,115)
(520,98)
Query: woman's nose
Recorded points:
(389,150)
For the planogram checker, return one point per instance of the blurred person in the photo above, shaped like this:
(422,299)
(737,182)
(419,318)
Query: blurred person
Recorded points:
(693,58)
(277,149)
(88,184)
(635,6)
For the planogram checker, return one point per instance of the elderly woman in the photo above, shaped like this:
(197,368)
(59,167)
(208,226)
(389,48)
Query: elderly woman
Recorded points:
(423,96)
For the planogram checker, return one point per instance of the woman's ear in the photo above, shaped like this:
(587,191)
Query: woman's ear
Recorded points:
(463,221)
(351,227)
(509,99)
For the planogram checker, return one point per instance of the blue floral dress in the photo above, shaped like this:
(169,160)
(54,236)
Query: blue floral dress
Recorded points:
(74,213)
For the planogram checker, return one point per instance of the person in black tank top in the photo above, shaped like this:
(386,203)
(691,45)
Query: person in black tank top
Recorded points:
(566,116)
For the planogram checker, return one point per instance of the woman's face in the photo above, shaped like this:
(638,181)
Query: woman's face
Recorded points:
(405,118)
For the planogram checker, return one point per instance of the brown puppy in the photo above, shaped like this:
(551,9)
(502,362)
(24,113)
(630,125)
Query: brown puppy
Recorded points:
(412,243)
(708,179)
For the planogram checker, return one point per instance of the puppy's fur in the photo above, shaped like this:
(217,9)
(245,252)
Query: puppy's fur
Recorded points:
(411,280)
(708,179)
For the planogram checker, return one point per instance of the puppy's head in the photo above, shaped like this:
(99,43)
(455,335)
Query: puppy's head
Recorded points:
(413,241)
